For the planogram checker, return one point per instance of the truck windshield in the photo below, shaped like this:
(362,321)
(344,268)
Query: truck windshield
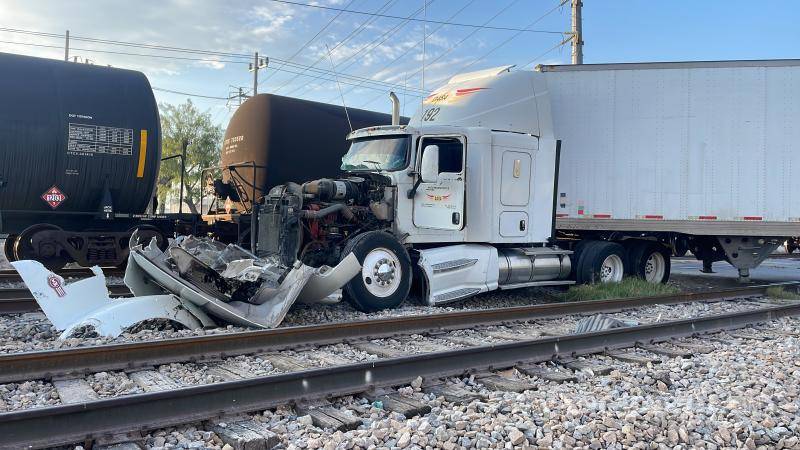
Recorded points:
(377,153)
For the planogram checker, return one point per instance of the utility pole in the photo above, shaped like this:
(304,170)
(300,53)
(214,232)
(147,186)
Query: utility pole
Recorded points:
(255,66)
(66,48)
(577,32)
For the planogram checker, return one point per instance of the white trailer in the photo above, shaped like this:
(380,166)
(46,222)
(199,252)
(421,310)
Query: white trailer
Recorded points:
(507,179)
(704,150)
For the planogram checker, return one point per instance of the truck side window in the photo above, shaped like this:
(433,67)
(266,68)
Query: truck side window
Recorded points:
(451,154)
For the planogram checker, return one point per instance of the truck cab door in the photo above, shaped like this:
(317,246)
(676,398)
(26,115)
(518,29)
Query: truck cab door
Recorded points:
(440,204)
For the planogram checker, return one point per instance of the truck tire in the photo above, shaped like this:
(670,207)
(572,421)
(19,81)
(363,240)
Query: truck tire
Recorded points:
(601,262)
(385,278)
(577,251)
(649,261)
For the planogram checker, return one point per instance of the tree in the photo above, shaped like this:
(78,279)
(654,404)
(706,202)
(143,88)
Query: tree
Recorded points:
(186,126)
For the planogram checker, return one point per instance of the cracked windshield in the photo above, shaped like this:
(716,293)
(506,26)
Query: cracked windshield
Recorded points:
(378,153)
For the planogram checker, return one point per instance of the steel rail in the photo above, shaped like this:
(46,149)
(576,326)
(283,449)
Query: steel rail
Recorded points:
(20,300)
(77,422)
(12,275)
(82,360)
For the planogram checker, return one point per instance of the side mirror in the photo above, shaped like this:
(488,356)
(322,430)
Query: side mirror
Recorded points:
(429,168)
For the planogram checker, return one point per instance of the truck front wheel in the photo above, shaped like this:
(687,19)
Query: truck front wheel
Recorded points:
(385,278)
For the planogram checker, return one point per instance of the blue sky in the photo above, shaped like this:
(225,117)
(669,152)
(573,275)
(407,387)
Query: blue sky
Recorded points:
(387,50)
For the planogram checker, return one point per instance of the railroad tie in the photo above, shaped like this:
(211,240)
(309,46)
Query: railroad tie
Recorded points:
(153,381)
(667,350)
(633,357)
(379,350)
(120,446)
(74,390)
(463,340)
(555,374)
(229,372)
(394,402)
(285,363)
(583,365)
(501,383)
(452,393)
(748,336)
(696,349)
(556,332)
(507,336)
(327,416)
(246,435)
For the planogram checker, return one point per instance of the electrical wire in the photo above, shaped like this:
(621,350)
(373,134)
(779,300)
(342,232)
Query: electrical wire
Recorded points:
(468,25)
(356,31)
(512,37)
(189,94)
(456,45)
(308,42)
(389,64)
(205,60)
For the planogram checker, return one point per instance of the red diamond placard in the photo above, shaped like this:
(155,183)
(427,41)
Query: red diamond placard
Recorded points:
(54,197)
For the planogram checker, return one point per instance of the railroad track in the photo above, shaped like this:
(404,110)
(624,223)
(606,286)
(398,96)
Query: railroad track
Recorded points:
(12,275)
(301,382)
(20,300)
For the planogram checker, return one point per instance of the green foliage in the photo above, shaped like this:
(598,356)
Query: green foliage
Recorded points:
(185,125)
(780,293)
(629,287)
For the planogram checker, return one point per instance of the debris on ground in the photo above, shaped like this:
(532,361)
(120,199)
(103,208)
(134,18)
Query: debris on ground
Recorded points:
(191,281)
(601,322)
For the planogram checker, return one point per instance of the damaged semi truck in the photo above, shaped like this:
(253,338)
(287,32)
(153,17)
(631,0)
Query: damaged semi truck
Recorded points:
(508,179)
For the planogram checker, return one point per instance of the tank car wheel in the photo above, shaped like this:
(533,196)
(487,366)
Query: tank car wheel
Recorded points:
(8,247)
(601,262)
(385,278)
(49,254)
(649,261)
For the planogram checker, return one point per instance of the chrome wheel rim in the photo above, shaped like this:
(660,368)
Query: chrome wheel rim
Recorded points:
(612,269)
(654,268)
(381,272)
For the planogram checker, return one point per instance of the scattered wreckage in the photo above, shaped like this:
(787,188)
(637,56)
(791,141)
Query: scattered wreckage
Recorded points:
(194,282)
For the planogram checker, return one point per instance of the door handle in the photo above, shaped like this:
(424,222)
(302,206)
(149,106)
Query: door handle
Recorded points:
(456,218)
(522,225)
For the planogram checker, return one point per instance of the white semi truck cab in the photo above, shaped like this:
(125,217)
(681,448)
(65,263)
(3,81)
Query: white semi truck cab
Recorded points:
(459,202)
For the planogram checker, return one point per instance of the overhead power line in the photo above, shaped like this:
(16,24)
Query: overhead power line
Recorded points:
(513,36)
(359,29)
(457,24)
(308,42)
(405,52)
(189,94)
(211,59)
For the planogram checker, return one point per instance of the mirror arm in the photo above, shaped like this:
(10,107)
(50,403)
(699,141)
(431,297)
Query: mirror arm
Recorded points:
(413,191)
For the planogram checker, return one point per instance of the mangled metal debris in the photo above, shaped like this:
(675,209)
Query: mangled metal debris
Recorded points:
(191,282)
(601,322)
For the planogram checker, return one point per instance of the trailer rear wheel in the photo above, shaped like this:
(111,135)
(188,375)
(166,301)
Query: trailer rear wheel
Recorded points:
(385,278)
(791,245)
(649,261)
(601,262)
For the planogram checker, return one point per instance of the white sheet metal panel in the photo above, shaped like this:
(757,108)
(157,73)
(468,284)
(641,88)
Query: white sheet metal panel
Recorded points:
(661,143)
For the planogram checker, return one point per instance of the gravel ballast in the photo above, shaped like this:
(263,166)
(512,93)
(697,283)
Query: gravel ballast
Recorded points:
(743,394)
